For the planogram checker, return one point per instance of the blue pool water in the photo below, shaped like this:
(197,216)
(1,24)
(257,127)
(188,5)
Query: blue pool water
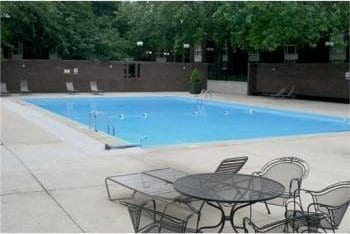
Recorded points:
(154,121)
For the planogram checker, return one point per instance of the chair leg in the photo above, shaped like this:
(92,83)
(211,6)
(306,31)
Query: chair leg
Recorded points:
(267,208)
(199,215)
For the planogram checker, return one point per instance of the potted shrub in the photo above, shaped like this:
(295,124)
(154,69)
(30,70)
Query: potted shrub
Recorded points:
(196,84)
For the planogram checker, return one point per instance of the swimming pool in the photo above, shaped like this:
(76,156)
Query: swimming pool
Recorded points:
(168,120)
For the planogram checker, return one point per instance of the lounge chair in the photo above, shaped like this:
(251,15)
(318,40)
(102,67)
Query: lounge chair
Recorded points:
(70,87)
(231,165)
(290,94)
(279,93)
(93,88)
(24,86)
(4,91)
(290,172)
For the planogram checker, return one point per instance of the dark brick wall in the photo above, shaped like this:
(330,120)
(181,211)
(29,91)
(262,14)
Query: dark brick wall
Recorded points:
(48,75)
(319,81)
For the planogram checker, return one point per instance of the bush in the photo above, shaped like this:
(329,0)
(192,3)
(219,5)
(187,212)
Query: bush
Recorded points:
(195,76)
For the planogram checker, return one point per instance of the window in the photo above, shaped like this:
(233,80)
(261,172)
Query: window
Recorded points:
(131,70)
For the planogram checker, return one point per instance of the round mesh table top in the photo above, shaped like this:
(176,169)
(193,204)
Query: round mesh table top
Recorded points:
(237,188)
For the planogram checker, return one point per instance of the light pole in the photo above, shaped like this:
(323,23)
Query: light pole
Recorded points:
(149,54)
(186,46)
(139,45)
(166,54)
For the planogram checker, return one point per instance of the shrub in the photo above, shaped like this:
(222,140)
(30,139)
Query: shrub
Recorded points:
(195,76)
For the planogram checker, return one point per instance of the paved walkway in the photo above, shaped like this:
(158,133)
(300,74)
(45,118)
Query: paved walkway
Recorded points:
(52,171)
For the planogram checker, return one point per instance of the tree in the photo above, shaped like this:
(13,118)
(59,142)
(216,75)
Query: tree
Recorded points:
(110,30)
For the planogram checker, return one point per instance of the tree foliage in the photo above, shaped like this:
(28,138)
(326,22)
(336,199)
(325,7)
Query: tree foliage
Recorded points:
(110,30)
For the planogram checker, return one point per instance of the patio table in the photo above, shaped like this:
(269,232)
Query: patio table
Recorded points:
(238,190)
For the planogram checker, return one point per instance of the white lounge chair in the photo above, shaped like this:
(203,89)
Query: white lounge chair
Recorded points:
(279,93)
(24,86)
(70,87)
(93,88)
(290,94)
(4,91)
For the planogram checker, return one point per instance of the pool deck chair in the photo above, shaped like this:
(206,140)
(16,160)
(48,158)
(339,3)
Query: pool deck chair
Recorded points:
(279,93)
(70,88)
(4,91)
(24,86)
(290,94)
(94,89)
(231,165)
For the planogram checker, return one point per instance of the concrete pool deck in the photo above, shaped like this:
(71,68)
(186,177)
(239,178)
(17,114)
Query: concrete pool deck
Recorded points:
(53,170)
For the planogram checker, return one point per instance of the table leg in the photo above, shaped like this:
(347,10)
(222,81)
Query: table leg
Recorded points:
(222,220)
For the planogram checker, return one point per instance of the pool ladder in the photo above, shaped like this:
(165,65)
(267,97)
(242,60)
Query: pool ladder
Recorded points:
(202,97)
(93,117)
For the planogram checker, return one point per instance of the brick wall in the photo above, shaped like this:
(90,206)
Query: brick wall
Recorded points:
(319,81)
(48,75)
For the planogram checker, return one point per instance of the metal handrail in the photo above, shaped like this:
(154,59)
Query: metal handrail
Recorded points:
(202,97)
(92,124)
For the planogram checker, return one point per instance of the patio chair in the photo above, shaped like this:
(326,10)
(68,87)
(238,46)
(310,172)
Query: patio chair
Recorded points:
(277,94)
(93,88)
(145,219)
(329,205)
(24,86)
(231,165)
(4,91)
(290,172)
(70,87)
(290,94)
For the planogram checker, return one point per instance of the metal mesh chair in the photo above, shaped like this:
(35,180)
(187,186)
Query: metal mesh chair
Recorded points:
(329,205)
(231,165)
(145,219)
(289,171)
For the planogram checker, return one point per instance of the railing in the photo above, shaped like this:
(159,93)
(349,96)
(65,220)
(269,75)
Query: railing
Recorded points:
(92,124)
(202,97)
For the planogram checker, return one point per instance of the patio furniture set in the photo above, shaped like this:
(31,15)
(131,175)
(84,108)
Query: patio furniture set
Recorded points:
(278,183)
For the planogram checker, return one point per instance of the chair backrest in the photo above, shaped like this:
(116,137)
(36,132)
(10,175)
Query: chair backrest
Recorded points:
(280,92)
(336,199)
(231,165)
(285,169)
(93,86)
(24,86)
(70,86)
(4,88)
(145,219)
(290,93)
